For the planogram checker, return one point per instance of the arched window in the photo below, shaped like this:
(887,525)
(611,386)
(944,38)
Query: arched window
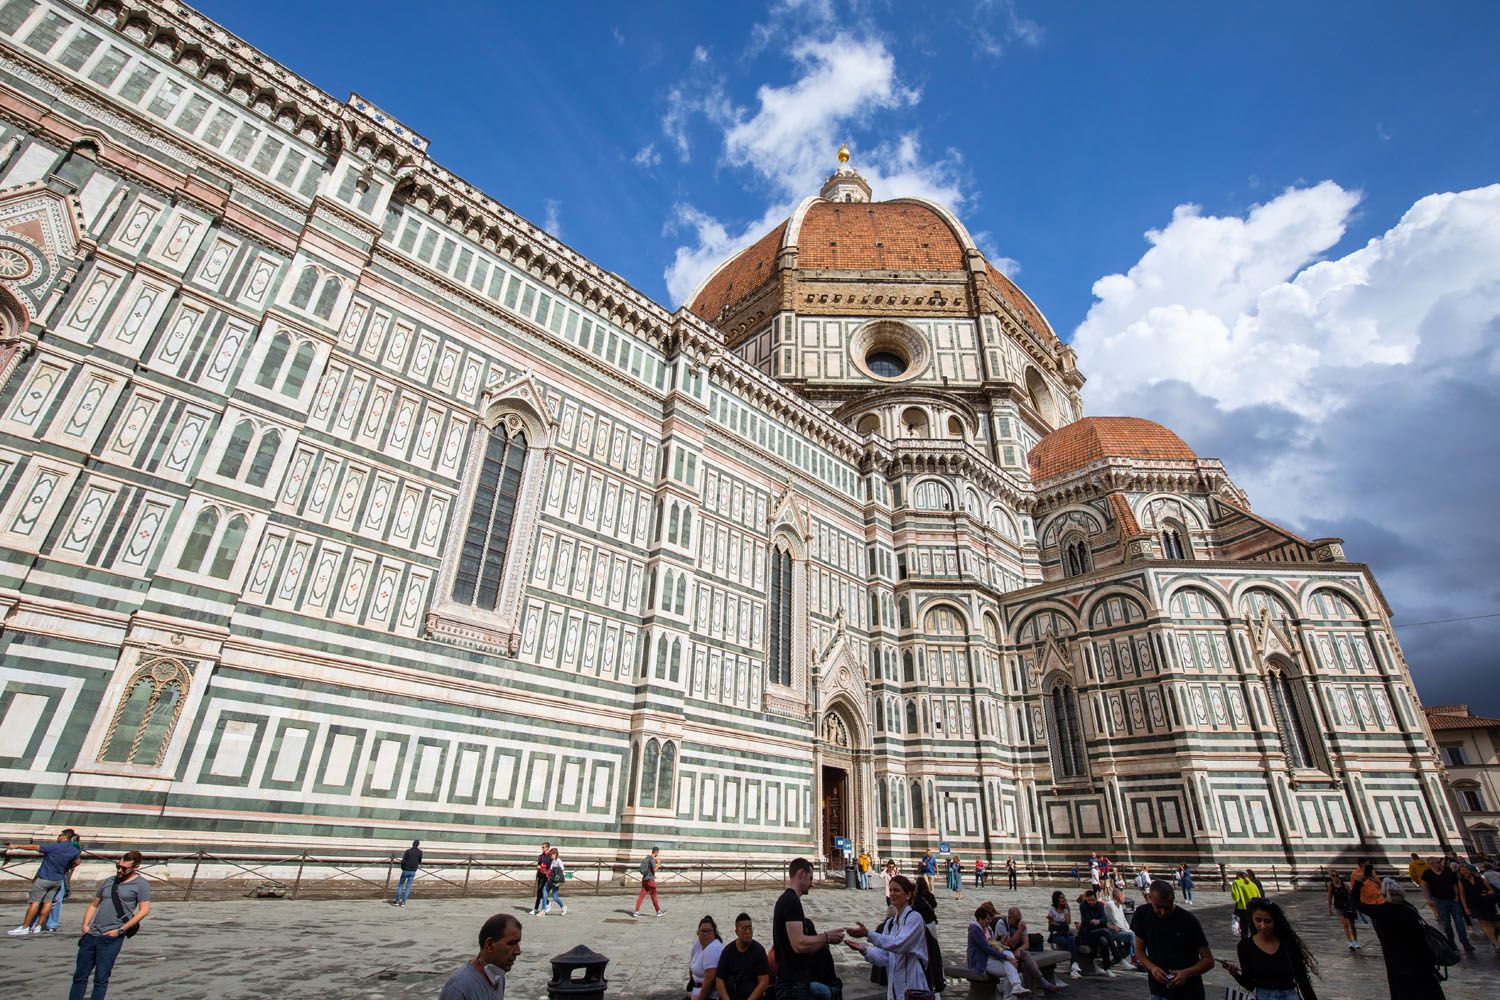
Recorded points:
(229,548)
(681,607)
(687,527)
(911,717)
(903,613)
(661,657)
(235,450)
(666,779)
(675,673)
(1289,720)
(270,367)
(78,164)
(672,524)
(868,424)
(779,651)
(296,376)
(1041,396)
(265,457)
(649,765)
(885,806)
(879,715)
(1068,759)
(196,549)
(930,494)
(327,298)
(1075,556)
(143,723)
(908,668)
(913,422)
(306,282)
(476,581)
(1171,541)
(955,428)
(916,804)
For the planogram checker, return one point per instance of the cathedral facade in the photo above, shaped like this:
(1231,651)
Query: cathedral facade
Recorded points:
(340,505)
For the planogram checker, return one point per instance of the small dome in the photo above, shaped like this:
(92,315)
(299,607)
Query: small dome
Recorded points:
(1092,439)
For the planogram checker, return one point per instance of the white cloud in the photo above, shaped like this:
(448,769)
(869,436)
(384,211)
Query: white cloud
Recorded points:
(1355,396)
(787,140)
(646,157)
(552,223)
(998,25)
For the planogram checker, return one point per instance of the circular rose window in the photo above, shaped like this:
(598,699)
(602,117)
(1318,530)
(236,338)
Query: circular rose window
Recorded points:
(888,351)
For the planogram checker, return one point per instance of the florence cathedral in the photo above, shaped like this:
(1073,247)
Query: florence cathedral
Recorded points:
(340,505)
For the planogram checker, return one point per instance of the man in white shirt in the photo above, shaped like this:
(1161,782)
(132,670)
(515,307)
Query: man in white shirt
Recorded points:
(483,977)
(1120,934)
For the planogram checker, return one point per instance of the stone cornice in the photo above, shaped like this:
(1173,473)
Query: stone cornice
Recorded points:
(1205,475)
(955,458)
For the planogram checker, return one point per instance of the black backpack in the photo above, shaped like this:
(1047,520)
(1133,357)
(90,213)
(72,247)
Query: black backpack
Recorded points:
(1440,951)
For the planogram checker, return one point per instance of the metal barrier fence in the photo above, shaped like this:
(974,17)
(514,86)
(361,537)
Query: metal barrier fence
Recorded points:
(181,875)
(306,875)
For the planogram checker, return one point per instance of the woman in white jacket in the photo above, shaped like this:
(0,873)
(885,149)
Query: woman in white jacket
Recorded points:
(901,949)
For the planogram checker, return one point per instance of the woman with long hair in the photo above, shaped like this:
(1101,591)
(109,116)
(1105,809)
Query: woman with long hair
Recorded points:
(1481,898)
(703,964)
(901,949)
(1340,901)
(1060,930)
(956,877)
(1273,961)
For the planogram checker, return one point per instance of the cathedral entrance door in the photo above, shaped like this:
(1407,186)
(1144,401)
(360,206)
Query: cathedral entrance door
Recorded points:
(835,815)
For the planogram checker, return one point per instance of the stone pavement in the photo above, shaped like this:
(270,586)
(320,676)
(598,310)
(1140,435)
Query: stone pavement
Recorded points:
(248,949)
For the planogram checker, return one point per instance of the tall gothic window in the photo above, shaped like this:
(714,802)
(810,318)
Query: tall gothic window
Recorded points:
(482,558)
(1289,721)
(1068,757)
(1075,557)
(779,654)
(142,725)
(1171,543)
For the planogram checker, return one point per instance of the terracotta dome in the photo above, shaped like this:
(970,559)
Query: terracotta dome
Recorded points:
(906,234)
(1091,439)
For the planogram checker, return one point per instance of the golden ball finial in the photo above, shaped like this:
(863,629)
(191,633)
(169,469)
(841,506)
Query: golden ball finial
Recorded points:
(843,152)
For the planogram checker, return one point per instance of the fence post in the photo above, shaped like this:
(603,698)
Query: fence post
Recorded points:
(189,894)
(468,869)
(700,878)
(598,875)
(390,863)
(747,876)
(296,887)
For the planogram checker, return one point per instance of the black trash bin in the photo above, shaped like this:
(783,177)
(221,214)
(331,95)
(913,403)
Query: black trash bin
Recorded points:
(851,875)
(578,975)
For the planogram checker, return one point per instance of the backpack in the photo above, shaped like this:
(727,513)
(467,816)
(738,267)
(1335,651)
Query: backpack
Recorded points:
(646,867)
(1440,951)
(556,876)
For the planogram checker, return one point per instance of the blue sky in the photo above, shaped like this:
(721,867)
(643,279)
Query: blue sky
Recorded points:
(1256,177)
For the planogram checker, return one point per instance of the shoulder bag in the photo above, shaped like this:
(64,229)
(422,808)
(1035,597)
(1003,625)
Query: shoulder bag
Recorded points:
(114,897)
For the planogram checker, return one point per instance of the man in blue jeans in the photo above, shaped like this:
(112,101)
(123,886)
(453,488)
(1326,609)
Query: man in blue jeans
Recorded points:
(410,862)
(1440,882)
(120,903)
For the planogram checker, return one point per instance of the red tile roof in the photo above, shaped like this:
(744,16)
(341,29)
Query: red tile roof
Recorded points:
(881,235)
(1457,717)
(1086,441)
(743,274)
(1017,299)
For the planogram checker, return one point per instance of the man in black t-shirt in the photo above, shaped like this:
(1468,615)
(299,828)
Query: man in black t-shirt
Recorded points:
(1170,945)
(743,972)
(543,872)
(1440,883)
(793,946)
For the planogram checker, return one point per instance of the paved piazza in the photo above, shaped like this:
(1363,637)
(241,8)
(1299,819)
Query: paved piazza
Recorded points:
(244,949)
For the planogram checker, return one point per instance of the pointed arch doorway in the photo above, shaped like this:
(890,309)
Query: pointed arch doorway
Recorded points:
(841,764)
